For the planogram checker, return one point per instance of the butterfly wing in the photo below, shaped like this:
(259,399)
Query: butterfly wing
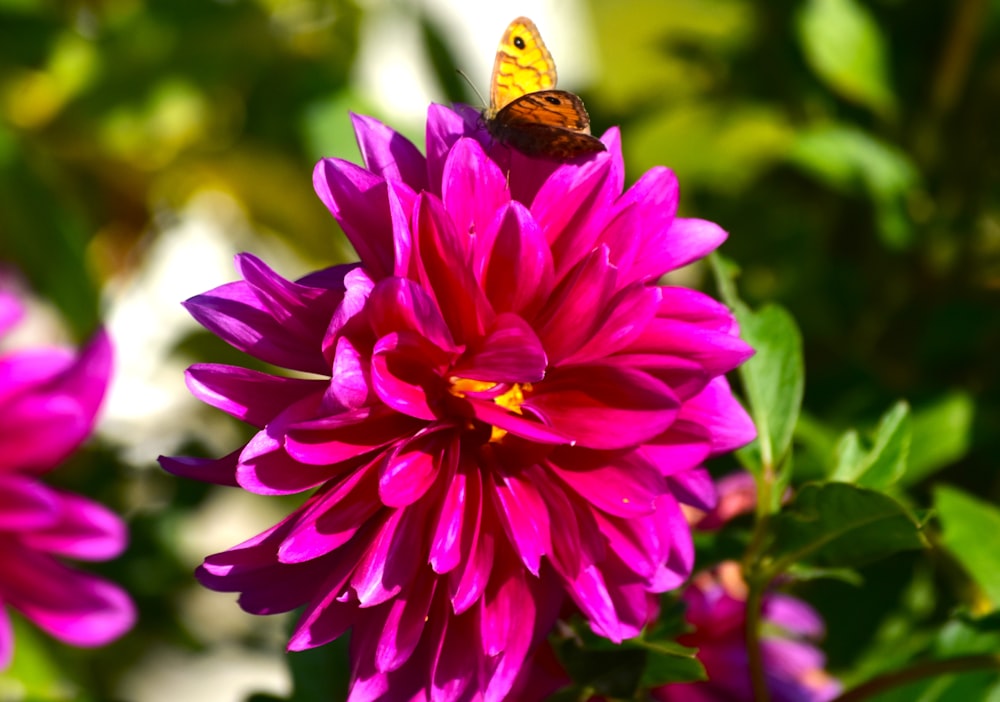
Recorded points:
(523,65)
(552,123)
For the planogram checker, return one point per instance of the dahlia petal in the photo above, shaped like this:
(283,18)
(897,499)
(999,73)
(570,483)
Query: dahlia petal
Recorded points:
(6,638)
(684,376)
(250,395)
(518,274)
(680,449)
(41,427)
(717,353)
(85,530)
(510,353)
(389,154)
(794,616)
(603,407)
(648,206)
(327,617)
(567,548)
(466,584)
(75,607)
(528,428)
(502,609)
(404,625)
(695,307)
(413,466)
(220,471)
(331,518)
(300,309)
(573,206)
(591,595)
(347,435)
(694,487)
(26,504)
(349,383)
(265,469)
(357,287)
(398,304)
(406,374)
(629,312)
(366,210)
(393,556)
(444,265)
(445,549)
(234,313)
(444,128)
(573,311)
(26,370)
(473,188)
(626,486)
(673,531)
(692,239)
(455,665)
(524,516)
(717,410)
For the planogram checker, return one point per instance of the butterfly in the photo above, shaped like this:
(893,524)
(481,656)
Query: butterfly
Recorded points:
(526,111)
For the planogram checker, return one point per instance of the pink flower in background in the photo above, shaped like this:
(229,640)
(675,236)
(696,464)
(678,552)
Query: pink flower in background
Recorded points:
(502,409)
(716,608)
(48,401)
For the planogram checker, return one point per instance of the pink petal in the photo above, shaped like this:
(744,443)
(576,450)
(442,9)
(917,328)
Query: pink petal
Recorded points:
(410,469)
(510,352)
(625,485)
(246,394)
(524,516)
(347,435)
(389,154)
(404,625)
(220,471)
(85,530)
(406,372)
(473,188)
(717,410)
(518,273)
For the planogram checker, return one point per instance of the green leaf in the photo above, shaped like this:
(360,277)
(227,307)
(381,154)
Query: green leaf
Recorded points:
(885,463)
(941,435)
(971,532)
(773,378)
(841,525)
(669,662)
(845,47)
(320,674)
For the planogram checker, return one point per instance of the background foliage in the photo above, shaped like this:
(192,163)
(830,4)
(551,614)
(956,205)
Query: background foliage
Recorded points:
(850,147)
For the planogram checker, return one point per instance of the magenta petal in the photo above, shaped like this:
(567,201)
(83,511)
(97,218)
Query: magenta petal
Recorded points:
(329,519)
(404,625)
(575,310)
(626,486)
(603,407)
(444,128)
(220,471)
(72,606)
(406,374)
(692,239)
(26,504)
(361,203)
(793,615)
(695,307)
(591,595)
(473,188)
(11,312)
(393,557)
(519,274)
(718,410)
(638,234)
(246,394)
(389,154)
(445,550)
(455,665)
(627,315)
(467,582)
(510,352)
(525,518)
(412,467)
(6,638)
(445,270)
(347,435)
(42,426)
(715,352)
(694,487)
(398,305)
(85,530)
(488,412)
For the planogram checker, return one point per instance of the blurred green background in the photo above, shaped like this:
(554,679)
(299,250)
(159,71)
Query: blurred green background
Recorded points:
(850,147)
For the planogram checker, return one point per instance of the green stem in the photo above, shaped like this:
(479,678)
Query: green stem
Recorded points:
(919,671)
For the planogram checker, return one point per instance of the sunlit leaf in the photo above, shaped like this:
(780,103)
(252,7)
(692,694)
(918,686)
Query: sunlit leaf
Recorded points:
(971,532)
(846,48)
(941,435)
(882,465)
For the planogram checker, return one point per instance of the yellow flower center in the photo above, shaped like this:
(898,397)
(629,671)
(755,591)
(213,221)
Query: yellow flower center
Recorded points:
(510,399)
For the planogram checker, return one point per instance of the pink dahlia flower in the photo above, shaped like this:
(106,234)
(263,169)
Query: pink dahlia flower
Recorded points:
(716,608)
(48,401)
(504,409)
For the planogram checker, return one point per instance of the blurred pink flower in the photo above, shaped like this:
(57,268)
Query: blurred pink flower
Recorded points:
(48,401)
(716,608)
(504,409)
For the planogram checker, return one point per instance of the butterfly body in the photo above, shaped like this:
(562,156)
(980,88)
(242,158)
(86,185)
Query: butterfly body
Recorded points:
(526,111)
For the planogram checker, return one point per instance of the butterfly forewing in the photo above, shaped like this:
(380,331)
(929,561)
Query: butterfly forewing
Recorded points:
(525,110)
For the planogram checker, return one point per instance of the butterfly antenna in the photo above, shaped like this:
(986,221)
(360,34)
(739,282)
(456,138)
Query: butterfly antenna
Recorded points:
(473,86)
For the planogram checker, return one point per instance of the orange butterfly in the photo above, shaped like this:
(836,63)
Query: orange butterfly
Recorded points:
(525,110)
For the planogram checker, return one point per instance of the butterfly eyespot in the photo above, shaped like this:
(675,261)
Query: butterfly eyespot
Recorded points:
(526,112)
